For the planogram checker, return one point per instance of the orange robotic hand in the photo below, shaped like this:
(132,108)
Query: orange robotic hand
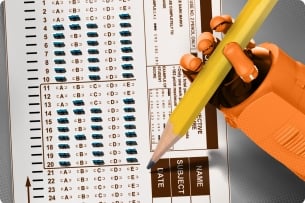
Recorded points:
(263,95)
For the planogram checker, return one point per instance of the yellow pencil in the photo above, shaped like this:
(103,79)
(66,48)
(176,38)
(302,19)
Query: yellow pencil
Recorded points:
(208,80)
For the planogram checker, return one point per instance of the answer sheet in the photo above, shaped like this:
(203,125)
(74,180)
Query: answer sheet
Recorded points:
(91,86)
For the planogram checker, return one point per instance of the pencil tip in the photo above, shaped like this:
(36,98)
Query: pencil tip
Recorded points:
(150,164)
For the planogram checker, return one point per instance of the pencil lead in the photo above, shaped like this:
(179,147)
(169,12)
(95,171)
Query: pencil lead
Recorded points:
(150,164)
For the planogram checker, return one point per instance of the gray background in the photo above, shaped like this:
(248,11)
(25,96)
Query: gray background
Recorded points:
(5,180)
(254,176)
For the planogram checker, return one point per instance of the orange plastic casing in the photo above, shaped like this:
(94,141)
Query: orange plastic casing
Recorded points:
(274,115)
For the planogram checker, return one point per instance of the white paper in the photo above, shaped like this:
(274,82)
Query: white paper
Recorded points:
(87,110)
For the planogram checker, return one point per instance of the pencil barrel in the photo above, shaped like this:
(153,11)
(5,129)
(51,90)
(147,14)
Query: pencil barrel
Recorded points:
(210,77)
